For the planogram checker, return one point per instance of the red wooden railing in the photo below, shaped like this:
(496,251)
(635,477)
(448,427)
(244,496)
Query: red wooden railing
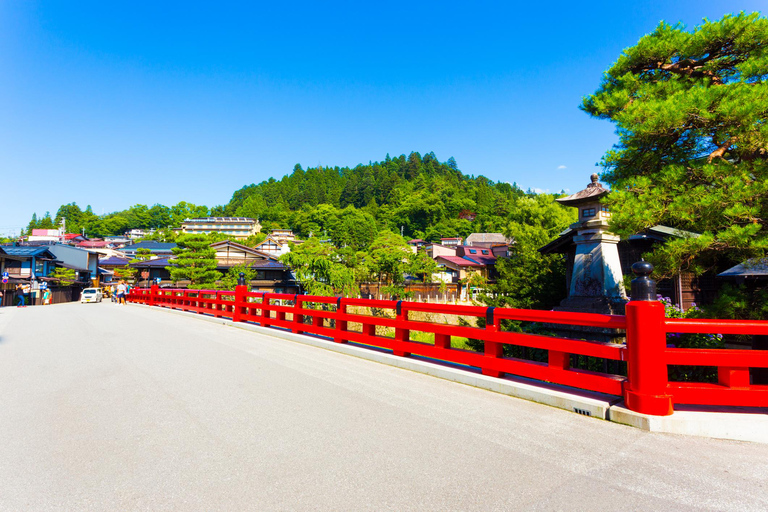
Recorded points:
(645,389)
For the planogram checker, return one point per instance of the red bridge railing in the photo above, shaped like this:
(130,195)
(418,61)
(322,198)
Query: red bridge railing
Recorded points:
(645,389)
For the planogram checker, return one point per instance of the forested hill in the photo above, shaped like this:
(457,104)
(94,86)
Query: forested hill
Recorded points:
(422,196)
(427,198)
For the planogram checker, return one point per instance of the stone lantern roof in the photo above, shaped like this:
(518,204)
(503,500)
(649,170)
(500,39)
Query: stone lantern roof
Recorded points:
(593,192)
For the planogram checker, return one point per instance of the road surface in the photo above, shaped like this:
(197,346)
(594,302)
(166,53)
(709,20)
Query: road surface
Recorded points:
(107,407)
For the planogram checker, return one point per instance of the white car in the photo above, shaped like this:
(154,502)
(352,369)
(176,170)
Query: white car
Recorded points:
(91,295)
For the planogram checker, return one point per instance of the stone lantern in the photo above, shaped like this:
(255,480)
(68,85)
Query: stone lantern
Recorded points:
(596,280)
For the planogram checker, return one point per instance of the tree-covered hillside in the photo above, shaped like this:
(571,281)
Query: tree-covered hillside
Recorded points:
(421,196)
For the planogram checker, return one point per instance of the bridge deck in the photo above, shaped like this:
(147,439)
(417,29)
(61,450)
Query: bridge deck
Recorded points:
(108,407)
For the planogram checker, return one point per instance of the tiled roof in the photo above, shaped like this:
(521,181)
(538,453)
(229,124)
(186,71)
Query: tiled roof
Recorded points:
(594,191)
(114,260)
(157,262)
(25,250)
(483,260)
(268,264)
(462,262)
(756,267)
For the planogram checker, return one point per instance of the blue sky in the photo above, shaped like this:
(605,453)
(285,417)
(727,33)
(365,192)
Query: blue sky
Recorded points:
(117,103)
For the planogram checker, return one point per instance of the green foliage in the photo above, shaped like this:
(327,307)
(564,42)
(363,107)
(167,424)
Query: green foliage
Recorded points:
(739,302)
(229,280)
(194,261)
(320,269)
(126,273)
(142,254)
(390,256)
(158,217)
(421,266)
(690,110)
(165,235)
(64,275)
(529,279)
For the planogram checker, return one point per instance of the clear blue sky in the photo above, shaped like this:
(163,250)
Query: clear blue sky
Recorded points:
(117,103)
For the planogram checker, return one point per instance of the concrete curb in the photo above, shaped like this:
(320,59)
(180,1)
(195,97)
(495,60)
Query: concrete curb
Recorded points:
(740,424)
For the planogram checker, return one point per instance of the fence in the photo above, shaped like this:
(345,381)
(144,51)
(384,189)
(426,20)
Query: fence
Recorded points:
(645,388)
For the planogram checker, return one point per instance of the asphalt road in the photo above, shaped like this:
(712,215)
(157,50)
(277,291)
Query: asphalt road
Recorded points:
(106,407)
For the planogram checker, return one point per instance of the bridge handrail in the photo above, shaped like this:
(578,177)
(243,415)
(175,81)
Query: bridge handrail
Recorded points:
(388,324)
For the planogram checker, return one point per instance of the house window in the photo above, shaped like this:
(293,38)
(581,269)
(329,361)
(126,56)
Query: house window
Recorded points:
(39,267)
(473,251)
(604,209)
(485,252)
(588,212)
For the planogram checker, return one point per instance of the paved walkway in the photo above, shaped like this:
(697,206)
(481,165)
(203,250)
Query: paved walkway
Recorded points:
(106,407)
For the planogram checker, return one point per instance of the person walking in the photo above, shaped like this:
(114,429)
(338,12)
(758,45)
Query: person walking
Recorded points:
(121,289)
(20,296)
(46,297)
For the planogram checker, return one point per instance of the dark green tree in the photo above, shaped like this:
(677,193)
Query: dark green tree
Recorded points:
(194,261)
(690,109)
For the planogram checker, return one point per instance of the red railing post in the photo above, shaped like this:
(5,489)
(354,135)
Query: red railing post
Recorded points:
(298,319)
(153,292)
(401,334)
(493,349)
(341,325)
(265,315)
(647,379)
(239,307)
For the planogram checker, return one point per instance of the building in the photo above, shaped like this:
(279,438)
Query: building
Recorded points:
(45,235)
(234,227)
(137,234)
(152,271)
(26,265)
(23,263)
(107,266)
(158,249)
(84,263)
(277,242)
(230,254)
(435,250)
(271,275)
(488,240)
(451,241)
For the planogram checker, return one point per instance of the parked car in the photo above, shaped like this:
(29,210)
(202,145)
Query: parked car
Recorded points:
(91,295)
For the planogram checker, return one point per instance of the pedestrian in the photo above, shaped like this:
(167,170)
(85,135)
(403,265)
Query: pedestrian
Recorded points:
(121,288)
(1,298)
(46,297)
(20,296)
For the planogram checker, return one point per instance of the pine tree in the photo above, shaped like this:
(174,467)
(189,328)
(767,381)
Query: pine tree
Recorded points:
(690,110)
(194,261)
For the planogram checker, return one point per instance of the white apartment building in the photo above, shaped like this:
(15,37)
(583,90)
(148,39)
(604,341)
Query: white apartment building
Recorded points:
(235,227)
